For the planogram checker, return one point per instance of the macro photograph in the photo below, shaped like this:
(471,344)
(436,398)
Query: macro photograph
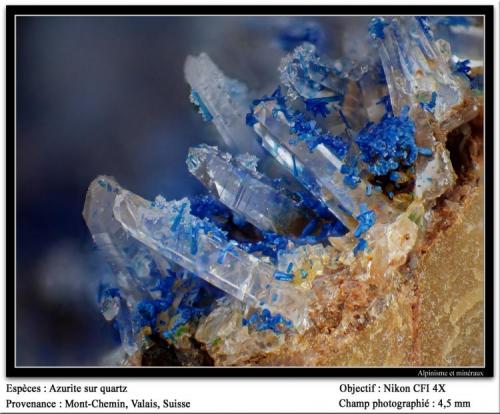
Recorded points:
(250,191)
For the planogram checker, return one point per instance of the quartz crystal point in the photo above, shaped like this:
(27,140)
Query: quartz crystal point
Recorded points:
(128,259)
(200,247)
(308,76)
(318,170)
(112,240)
(225,99)
(326,87)
(417,72)
(238,185)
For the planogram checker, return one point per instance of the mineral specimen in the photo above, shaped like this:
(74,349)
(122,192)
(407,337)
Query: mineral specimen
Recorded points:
(260,273)
(172,234)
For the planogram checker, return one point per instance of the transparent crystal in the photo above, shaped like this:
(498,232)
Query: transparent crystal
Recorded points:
(110,307)
(238,185)
(434,175)
(223,333)
(226,99)
(372,90)
(310,76)
(318,170)
(138,271)
(328,102)
(173,233)
(415,69)
(129,260)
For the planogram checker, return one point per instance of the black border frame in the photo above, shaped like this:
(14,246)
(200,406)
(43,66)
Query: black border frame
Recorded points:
(13,371)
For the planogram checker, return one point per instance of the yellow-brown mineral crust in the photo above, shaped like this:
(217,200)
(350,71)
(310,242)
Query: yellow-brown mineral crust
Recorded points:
(451,290)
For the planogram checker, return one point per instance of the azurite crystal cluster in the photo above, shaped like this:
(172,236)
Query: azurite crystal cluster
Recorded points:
(266,260)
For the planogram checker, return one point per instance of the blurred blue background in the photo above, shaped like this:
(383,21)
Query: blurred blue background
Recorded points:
(106,95)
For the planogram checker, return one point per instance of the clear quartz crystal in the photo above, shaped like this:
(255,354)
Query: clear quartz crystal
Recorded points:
(434,175)
(110,307)
(372,90)
(354,109)
(226,99)
(238,185)
(318,170)
(122,253)
(415,69)
(173,233)
(113,242)
(308,75)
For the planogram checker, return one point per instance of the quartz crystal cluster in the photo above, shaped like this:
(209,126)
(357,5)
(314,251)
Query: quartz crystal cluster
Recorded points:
(261,260)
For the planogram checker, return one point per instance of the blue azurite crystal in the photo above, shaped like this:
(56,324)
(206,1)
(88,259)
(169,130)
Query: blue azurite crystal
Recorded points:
(389,144)
(204,111)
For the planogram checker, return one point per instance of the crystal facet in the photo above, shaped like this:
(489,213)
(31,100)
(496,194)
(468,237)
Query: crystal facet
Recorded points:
(248,193)
(169,230)
(416,71)
(224,99)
